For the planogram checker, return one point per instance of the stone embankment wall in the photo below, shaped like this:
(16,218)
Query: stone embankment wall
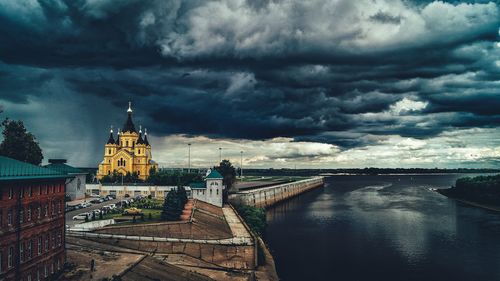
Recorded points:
(268,196)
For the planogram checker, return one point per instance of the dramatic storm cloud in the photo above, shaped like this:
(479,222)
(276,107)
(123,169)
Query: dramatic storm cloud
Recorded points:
(317,83)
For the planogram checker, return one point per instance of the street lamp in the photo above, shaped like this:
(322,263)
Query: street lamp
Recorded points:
(220,155)
(241,164)
(189,158)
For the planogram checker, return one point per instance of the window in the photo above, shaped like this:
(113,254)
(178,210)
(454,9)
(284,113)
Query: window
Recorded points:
(47,242)
(21,251)
(39,247)
(30,249)
(109,151)
(217,191)
(21,215)
(29,213)
(53,236)
(10,258)
(38,275)
(126,143)
(46,271)
(29,277)
(59,238)
(39,190)
(11,193)
(139,151)
(124,162)
(21,192)
(30,191)
(46,211)
(39,212)
(53,209)
(9,217)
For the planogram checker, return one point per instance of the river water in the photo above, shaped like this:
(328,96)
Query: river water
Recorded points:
(383,228)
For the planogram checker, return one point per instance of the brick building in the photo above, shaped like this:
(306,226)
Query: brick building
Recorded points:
(31,221)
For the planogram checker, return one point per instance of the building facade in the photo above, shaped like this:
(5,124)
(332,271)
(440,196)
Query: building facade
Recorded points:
(31,221)
(211,190)
(129,153)
(75,184)
(132,190)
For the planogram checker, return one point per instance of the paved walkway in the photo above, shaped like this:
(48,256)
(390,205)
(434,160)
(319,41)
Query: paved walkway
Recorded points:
(236,226)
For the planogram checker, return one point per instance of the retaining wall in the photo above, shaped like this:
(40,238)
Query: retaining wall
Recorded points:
(268,196)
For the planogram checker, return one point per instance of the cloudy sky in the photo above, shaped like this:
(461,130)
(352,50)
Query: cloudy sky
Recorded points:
(320,83)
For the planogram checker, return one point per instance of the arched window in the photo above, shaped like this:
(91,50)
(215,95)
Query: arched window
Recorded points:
(126,143)
(109,151)
(118,162)
(139,152)
(124,162)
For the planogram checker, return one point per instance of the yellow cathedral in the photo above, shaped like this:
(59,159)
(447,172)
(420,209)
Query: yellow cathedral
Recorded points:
(129,153)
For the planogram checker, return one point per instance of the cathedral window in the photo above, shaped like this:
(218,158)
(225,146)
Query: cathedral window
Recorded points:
(124,162)
(109,151)
(126,143)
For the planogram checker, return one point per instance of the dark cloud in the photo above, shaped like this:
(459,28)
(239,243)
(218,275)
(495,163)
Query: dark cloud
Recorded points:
(322,71)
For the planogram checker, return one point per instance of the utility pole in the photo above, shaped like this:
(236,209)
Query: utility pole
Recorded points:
(220,155)
(241,164)
(189,158)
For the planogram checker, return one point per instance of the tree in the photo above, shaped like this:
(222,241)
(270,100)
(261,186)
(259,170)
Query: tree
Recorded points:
(182,194)
(20,144)
(171,204)
(227,170)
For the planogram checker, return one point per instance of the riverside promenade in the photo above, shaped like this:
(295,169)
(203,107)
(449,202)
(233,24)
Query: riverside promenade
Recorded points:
(267,196)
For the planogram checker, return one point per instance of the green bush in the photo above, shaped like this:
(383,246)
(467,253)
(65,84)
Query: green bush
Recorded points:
(254,217)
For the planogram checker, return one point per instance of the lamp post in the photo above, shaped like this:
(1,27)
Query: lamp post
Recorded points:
(220,155)
(241,164)
(189,158)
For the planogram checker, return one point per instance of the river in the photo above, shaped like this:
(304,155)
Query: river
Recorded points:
(383,228)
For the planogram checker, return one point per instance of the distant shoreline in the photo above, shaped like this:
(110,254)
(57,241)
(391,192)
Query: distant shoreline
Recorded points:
(470,203)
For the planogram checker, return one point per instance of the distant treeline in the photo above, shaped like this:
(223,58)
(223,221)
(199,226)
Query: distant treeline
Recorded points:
(365,171)
(481,189)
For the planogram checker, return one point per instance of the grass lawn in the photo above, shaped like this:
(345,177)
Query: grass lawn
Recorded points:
(155,216)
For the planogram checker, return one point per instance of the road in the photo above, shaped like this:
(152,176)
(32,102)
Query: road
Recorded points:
(69,215)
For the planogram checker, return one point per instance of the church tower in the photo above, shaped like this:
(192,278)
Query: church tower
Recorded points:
(129,153)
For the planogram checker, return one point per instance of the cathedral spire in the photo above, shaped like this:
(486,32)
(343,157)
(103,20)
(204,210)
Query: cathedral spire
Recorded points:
(129,110)
(129,124)
(111,139)
(140,140)
(146,142)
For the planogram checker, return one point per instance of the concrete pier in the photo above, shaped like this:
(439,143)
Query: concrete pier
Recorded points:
(268,196)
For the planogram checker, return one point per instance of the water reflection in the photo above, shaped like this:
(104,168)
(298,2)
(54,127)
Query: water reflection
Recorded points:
(383,228)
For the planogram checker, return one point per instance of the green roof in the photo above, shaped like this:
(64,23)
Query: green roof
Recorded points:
(197,185)
(11,169)
(64,169)
(214,175)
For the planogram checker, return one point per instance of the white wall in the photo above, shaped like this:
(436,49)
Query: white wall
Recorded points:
(213,193)
(132,190)
(75,188)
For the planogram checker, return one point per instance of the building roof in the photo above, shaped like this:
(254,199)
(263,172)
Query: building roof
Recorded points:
(197,185)
(11,169)
(111,139)
(64,169)
(129,124)
(214,174)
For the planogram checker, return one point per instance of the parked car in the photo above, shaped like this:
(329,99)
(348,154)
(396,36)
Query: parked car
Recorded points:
(112,196)
(69,208)
(97,200)
(95,195)
(96,211)
(81,216)
(85,204)
(111,206)
(132,211)
(105,198)
(109,197)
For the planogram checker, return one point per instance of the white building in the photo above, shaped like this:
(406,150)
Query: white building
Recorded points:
(75,185)
(211,190)
(132,190)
